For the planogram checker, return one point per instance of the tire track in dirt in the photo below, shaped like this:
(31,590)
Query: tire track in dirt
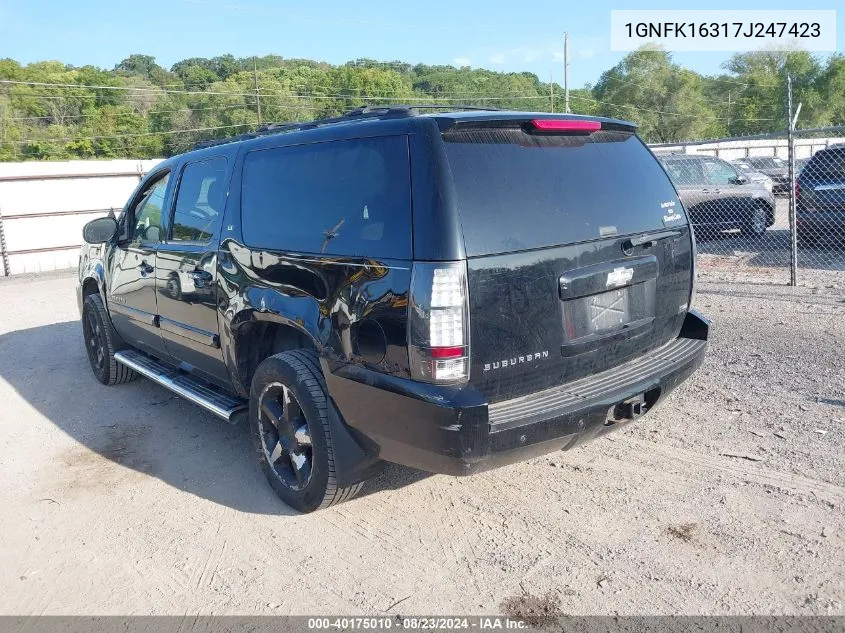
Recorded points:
(755,474)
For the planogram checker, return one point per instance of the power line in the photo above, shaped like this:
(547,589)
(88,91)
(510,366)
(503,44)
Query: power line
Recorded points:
(128,135)
(618,105)
(90,116)
(320,97)
(157,90)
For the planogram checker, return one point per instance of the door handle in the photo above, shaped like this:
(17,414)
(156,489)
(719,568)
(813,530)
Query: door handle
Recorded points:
(705,191)
(145,268)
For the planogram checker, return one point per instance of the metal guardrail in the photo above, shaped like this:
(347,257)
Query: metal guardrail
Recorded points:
(52,214)
(4,254)
(115,174)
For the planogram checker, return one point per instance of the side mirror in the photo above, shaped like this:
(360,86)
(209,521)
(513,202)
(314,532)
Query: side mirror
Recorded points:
(741,180)
(99,231)
(152,233)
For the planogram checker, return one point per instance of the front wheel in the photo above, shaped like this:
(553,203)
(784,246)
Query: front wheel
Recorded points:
(101,342)
(289,421)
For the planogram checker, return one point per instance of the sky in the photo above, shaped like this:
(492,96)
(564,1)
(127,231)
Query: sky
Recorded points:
(505,36)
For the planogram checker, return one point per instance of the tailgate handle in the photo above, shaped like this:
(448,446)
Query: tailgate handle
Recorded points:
(647,240)
(612,275)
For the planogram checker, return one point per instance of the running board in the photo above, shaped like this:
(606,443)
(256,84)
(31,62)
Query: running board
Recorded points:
(189,387)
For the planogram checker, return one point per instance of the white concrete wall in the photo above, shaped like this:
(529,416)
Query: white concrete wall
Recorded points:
(731,149)
(104,184)
(95,187)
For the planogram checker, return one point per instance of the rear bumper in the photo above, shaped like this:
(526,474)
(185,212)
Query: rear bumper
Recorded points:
(454,431)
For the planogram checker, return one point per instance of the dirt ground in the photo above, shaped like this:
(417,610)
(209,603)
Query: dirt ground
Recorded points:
(727,500)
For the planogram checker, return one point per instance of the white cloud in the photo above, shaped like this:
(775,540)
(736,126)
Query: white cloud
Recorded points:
(460,62)
(586,53)
(498,59)
(528,54)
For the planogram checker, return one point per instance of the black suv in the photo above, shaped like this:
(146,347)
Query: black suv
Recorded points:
(820,197)
(447,291)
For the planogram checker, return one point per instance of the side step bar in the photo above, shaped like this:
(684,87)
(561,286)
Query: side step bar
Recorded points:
(185,385)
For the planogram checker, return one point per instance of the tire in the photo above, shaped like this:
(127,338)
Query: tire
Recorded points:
(101,342)
(758,223)
(174,287)
(295,451)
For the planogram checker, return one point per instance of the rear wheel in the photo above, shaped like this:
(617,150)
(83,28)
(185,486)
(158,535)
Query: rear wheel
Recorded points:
(174,287)
(101,342)
(288,411)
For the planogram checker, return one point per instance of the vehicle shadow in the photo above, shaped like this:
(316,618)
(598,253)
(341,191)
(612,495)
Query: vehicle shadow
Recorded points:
(143,426)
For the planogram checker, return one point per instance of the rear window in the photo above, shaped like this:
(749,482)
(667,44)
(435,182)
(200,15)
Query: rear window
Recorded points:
(518,191)
(348,198)
(828,164)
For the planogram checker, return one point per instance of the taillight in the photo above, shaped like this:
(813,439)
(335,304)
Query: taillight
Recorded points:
(438,322)
(797,188)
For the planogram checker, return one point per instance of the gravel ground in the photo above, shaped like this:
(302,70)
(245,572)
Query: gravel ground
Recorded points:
(727,500)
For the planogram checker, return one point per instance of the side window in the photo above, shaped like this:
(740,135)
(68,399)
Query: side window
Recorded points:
(146,217)
(199,201)
(719,173)
(347,198)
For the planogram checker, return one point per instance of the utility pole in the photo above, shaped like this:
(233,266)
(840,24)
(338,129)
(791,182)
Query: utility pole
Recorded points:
(790,141)
(552,90)
(566,71)
(729,111)
(257,93)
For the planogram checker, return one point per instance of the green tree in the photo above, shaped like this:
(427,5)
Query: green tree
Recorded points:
(664,99)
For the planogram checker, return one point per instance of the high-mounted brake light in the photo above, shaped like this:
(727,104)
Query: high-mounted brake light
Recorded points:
(438,322)
(566,125)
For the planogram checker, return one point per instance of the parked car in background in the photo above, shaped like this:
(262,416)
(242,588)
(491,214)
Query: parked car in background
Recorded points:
(820,196)
(775,168)
(753,175)
(718,198)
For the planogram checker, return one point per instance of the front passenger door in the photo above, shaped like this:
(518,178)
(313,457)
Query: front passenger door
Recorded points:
(132,296)
(187,270)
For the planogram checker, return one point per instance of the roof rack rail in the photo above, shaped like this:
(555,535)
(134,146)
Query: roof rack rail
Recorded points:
(364,112)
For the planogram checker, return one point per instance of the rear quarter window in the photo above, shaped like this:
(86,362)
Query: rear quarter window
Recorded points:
(828,164)
(519,191)
(347,198)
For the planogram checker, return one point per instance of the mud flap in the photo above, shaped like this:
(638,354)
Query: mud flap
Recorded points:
(355,457)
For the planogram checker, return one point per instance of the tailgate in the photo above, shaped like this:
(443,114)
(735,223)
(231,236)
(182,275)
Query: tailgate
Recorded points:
(579,253)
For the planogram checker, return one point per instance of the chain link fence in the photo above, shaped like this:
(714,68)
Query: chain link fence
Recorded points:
(767,209)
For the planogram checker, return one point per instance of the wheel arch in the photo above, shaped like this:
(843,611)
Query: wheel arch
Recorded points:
(257,335)
(91,281)
(769,206)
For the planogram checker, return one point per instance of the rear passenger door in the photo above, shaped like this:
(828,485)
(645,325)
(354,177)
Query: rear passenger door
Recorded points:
(186,264)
